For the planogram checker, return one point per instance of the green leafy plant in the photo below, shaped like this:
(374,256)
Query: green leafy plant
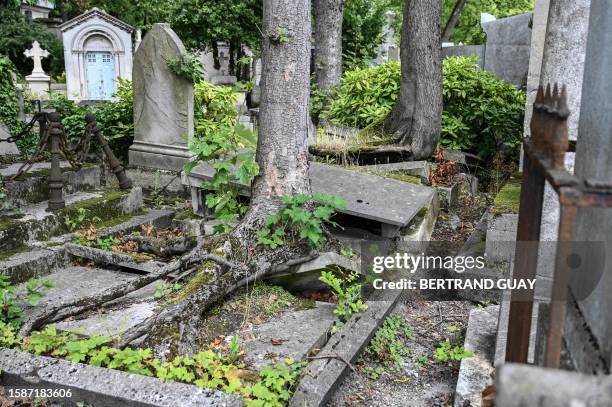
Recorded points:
(387,346)
(447,353)
(302,218)
(10,312)
(106,243)
(481,112)
(188,67)
(276,384)
(365,96)
(348,293)
(227,146)
(80,219)
(163,290)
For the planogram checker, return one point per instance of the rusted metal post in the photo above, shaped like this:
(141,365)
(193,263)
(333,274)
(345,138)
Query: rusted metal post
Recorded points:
(525,262)
(56,183)
(116,167)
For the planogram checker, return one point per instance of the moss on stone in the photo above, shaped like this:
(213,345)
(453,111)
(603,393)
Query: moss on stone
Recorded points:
(117,220)
(202,277)
(22,248)
(188,214)
(401,177)
(508,199)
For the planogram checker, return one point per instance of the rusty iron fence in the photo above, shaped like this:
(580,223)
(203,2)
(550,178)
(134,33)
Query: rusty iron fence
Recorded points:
(544,155)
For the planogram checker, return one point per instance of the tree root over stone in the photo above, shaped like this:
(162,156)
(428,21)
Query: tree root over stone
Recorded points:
(66,309)
(176,328)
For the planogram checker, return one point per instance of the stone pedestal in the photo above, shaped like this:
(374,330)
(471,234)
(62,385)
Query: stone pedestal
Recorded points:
(39,85)
(163,104)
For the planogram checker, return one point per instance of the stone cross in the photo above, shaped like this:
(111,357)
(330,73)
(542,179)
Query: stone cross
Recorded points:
(37,54)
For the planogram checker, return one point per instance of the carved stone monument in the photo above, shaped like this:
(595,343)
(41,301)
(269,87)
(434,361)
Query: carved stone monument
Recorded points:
(38,81)
(163,103)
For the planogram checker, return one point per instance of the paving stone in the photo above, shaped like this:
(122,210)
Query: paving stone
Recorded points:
(34,263)
(299,332)
(132,201)
(103,387)
(110,323)
(475,372)
(11,169)
(415,168)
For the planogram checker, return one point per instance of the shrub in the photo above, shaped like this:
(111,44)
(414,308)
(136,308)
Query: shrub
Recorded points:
(115,118)
(218,137)
(365,96)
(481,112)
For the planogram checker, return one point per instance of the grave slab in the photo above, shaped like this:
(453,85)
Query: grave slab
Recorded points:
(100,387)
(74,282)
(110,323)
(298,333)
(388,201)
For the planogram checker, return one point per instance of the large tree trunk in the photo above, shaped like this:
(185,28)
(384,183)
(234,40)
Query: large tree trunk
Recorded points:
(416,117)
(283,160)
(328,42)
(453,20)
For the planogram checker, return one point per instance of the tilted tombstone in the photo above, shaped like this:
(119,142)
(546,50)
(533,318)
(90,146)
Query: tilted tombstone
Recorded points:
(163,103)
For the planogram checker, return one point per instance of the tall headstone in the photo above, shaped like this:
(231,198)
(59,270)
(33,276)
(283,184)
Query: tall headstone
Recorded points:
(590,336)
(163,103)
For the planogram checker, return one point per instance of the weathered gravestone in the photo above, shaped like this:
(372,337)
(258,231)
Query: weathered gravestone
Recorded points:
(163,103)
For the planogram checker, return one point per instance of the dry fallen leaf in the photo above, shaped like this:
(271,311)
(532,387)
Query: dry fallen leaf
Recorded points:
(277,341)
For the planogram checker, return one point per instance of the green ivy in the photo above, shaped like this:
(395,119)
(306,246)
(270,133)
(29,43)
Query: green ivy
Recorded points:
(227,146)
(302,218)
(9,101)
(115,118)
(188,67)
(272,386)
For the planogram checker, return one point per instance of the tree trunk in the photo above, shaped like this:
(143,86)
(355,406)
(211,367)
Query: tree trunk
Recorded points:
(416,117)
(453,20)
(328,42)
(282,155)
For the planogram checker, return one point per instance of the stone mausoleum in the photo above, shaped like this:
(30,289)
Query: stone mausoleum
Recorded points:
(97,51)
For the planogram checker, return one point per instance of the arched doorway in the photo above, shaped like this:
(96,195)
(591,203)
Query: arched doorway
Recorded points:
(99,68)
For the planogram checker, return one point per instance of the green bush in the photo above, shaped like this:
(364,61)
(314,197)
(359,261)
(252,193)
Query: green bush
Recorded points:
(115,118)
(481,112)
(365,96)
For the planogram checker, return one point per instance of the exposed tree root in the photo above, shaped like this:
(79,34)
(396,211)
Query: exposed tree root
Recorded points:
(80,305)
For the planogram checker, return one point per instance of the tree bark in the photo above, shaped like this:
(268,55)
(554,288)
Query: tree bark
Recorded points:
(282,155)
(416,117)
(328,42)
(453,20)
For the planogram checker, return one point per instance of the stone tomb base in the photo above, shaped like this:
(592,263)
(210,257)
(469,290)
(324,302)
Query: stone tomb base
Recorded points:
(158,156)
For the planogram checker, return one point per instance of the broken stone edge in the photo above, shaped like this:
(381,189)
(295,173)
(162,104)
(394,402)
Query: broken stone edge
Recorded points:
(103,387)
(323,376)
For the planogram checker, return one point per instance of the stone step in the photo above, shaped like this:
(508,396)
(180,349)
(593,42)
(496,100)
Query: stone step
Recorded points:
(33,186)
(391,203)
(34,223)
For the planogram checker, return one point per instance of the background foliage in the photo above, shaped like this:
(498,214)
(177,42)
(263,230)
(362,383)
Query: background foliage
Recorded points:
(468,30)
(481,112)
(362,31)
(17,35)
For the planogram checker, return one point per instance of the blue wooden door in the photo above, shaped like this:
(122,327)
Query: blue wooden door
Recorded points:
(100,72)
